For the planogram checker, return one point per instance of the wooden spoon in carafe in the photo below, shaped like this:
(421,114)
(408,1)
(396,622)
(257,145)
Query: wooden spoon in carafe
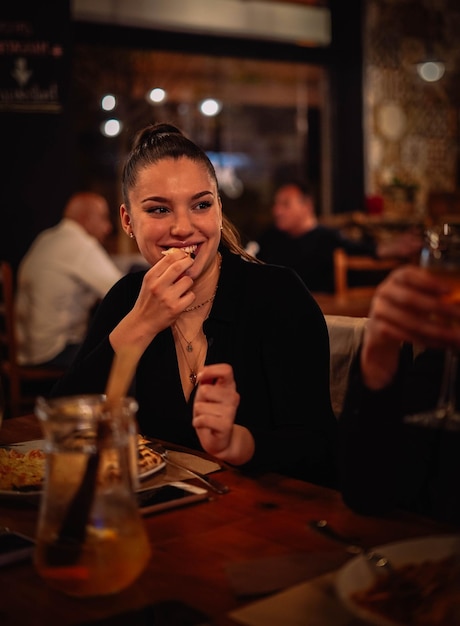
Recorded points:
(67,547)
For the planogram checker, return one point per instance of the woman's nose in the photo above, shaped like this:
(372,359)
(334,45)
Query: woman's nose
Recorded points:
(182,226)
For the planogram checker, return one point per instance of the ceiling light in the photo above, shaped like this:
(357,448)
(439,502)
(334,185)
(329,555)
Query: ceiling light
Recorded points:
(210,107)
(431,71)
(108,102)
(111,128)
(157,95)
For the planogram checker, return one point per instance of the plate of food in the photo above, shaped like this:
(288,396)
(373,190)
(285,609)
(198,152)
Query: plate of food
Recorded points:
(423,588)
(22,467)
(150,462)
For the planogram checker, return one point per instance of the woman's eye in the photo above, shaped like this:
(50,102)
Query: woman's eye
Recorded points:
(157,210)
(204,205)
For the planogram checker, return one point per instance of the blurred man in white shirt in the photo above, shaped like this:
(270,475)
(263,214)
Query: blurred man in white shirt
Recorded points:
(62,276)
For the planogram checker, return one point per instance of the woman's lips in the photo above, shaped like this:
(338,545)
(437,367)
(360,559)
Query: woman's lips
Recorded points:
(190,250)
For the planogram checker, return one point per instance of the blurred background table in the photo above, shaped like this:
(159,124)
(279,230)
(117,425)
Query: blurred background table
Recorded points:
(351,305)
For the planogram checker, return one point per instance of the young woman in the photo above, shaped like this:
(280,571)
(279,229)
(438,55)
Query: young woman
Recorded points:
(235,353)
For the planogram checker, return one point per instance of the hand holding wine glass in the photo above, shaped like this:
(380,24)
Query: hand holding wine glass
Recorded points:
(441,257)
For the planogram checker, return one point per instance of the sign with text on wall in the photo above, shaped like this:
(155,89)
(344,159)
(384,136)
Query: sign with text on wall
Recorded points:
(33,57)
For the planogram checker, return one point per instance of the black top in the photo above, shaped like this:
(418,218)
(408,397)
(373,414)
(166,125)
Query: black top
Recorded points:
(265,323)
(311,254)
(386,464)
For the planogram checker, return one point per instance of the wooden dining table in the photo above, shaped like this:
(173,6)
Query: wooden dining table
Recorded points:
(209,559)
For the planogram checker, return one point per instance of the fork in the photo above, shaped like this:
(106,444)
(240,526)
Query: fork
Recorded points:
(212,483)
(380,564)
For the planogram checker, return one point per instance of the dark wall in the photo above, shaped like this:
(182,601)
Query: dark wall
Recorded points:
(346,74)
(36,142)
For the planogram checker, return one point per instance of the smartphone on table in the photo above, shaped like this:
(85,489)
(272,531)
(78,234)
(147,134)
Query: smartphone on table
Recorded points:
(152,500)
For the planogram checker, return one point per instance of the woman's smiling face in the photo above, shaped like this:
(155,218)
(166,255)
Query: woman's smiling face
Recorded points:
(175,204)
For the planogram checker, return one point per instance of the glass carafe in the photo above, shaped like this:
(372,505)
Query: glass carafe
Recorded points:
(91,538)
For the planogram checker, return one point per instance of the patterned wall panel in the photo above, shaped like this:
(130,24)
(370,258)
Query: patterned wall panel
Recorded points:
(411,126)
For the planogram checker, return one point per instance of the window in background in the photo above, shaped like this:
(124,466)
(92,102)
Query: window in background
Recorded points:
(269,120)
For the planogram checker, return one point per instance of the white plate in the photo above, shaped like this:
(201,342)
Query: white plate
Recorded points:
(356,575)
(156,468)
(37,444)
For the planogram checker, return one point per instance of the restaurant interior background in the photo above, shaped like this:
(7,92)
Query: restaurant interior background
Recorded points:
(343,106)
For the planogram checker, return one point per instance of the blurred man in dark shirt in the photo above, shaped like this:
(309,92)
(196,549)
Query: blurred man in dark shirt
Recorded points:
(298,240)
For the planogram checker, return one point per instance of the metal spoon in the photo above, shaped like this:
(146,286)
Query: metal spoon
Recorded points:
(380,564)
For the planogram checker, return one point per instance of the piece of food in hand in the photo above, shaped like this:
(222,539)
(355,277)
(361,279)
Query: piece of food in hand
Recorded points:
(190,250)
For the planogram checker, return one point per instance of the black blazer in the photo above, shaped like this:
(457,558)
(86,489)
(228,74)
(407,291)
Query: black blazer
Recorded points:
(266,324)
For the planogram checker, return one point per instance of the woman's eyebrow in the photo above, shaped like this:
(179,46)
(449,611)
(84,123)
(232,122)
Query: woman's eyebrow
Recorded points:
(155,199)
(195,196)
(201,194)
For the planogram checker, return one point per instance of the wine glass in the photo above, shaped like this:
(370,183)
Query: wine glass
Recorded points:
(441,255)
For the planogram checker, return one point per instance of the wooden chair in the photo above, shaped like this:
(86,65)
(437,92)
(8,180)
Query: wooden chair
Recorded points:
(17,377)
(367,265)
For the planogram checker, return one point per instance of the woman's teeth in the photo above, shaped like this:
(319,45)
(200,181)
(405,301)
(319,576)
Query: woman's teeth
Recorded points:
(190,250)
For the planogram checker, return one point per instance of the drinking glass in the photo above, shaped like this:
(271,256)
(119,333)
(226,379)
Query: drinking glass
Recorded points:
(441,256)
(91,539)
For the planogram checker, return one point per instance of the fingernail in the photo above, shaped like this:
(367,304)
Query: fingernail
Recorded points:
(192,255)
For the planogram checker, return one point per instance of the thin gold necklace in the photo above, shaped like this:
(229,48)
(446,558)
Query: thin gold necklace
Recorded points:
(193,370)
(189,347)
(198,306)
(211,299)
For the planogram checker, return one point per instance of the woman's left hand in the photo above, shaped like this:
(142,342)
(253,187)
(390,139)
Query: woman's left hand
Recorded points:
(214,411)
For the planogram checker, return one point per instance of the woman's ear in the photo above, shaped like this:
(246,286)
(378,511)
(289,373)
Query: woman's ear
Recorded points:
(125,219)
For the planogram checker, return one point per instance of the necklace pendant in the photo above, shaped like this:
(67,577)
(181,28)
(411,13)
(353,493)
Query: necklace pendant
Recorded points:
(192,378)
(189,347)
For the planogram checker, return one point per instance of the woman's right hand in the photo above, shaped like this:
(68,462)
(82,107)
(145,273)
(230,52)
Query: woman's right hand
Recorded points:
(165,292)
(407,307)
